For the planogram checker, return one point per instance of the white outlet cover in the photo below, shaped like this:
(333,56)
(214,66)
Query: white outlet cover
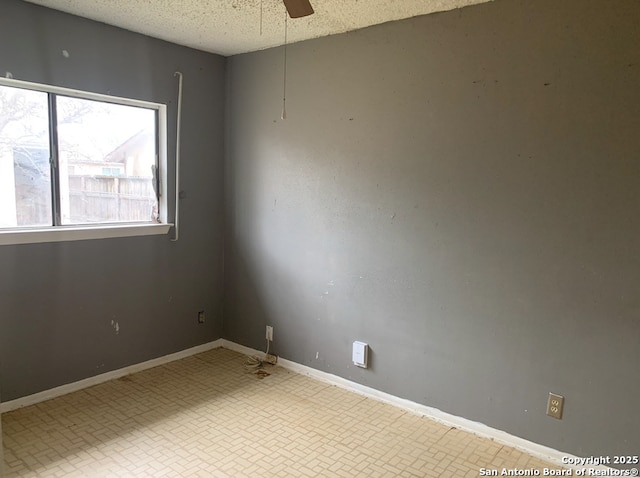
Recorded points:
(360,354)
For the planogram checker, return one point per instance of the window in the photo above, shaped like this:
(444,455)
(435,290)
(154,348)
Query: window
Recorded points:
(110,172)
(73,160)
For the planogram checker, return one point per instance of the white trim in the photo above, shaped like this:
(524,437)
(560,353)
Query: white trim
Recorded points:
(105,377)
(80,233)
(545,453)
(479,429)
(98,231)
(163,204)
(86,95)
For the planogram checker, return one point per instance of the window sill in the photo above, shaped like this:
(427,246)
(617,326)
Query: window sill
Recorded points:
(80,233)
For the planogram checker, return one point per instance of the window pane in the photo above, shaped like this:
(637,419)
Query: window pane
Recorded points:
(107,162)
(25,186)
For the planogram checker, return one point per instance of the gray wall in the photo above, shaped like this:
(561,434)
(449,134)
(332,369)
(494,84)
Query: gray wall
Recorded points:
(57,300)
(462,192)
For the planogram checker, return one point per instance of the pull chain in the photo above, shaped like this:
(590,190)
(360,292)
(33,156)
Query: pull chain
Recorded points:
(284,81)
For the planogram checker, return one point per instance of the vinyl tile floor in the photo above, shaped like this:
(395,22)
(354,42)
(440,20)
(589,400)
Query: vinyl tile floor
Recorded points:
(205,416)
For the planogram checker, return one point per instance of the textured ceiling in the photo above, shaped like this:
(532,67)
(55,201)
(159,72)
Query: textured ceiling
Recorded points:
(229,27)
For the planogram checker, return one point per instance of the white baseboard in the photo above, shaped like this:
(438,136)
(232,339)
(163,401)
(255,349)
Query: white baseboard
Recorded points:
(545,453)
(104,377)
(479,429)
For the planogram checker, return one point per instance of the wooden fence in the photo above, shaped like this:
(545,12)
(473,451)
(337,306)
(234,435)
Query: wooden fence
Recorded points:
(111,199)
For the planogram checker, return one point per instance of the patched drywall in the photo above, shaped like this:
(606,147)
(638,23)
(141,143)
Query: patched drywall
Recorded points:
(461,192)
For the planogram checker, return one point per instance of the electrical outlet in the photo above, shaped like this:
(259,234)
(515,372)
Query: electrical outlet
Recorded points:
(269,333)
(555,405)
(201,317)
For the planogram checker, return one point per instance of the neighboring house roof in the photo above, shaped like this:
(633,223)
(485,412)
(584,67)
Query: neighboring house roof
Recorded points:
(137,142)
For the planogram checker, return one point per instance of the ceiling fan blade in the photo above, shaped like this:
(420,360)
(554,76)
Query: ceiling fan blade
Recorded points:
(298,8)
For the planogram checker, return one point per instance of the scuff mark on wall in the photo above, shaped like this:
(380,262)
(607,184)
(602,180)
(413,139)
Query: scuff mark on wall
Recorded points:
(116,326)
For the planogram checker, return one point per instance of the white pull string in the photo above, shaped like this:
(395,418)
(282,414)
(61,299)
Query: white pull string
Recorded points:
(284,81)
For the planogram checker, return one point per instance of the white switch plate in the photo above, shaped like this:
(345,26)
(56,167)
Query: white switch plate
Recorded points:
(360,354)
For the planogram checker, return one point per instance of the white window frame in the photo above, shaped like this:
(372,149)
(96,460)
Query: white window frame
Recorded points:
(26,235)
